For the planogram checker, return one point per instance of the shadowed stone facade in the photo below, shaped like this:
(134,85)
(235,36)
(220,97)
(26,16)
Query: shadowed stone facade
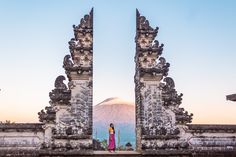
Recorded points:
(159,117)
(162,126)
(71,125)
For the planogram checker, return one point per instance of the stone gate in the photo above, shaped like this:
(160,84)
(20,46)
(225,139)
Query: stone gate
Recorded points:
(162,126)
(159,119)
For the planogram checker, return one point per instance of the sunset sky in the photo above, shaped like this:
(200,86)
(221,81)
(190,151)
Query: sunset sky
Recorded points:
(199,38)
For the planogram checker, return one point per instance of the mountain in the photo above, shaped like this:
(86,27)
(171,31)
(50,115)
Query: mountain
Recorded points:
(119,112)
(114,110)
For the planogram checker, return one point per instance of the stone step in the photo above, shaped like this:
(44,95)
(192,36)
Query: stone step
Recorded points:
(117,153)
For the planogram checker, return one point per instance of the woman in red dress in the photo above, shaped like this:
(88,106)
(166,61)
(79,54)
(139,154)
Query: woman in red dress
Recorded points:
(112,142)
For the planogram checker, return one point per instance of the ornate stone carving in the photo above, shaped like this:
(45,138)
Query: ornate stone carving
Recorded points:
(48,116)
(75,120)
(67,64)
(148,50)
(157,102)
(170,96)
(165,145)
(59,84)
(73,125)
(182,116)
(60,94)
(158,121)
(81,48)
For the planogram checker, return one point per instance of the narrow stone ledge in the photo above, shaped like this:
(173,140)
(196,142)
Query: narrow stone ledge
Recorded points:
(200,128)
(21,127)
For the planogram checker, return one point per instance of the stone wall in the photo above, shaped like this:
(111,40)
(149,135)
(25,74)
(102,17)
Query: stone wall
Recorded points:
(20,138)
(211,138)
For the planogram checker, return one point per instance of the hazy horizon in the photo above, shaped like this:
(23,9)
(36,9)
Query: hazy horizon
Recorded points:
(199,38)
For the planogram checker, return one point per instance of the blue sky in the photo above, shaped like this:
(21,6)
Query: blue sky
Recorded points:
(199,38)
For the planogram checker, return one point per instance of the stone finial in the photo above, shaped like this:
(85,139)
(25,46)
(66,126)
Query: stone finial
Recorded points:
(143,24)
(182,116)
(81,49)
(60,94)
(59,84)
(67,63)
(48,116)
(170,97)
(148,50)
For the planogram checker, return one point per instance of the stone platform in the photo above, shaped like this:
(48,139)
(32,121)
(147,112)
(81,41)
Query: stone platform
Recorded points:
(40,153)
(117,153)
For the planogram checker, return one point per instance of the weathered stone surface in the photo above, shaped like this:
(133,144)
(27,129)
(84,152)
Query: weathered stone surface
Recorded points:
(161,125)
(81,49)
(58,96)
(212,139)
(68,119)
(211,128)
(21,127)
(157,102)
(20,138)
(48,116)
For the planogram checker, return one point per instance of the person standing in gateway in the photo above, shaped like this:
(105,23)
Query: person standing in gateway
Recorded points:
(112,142)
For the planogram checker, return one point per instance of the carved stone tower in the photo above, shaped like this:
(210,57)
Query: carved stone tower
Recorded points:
(158,117)
(68,119)
(80,72)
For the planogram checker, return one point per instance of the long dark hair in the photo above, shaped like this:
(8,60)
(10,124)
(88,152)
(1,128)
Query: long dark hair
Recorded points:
(112,126)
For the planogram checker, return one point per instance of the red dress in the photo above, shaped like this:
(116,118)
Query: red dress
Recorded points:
(112,143)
